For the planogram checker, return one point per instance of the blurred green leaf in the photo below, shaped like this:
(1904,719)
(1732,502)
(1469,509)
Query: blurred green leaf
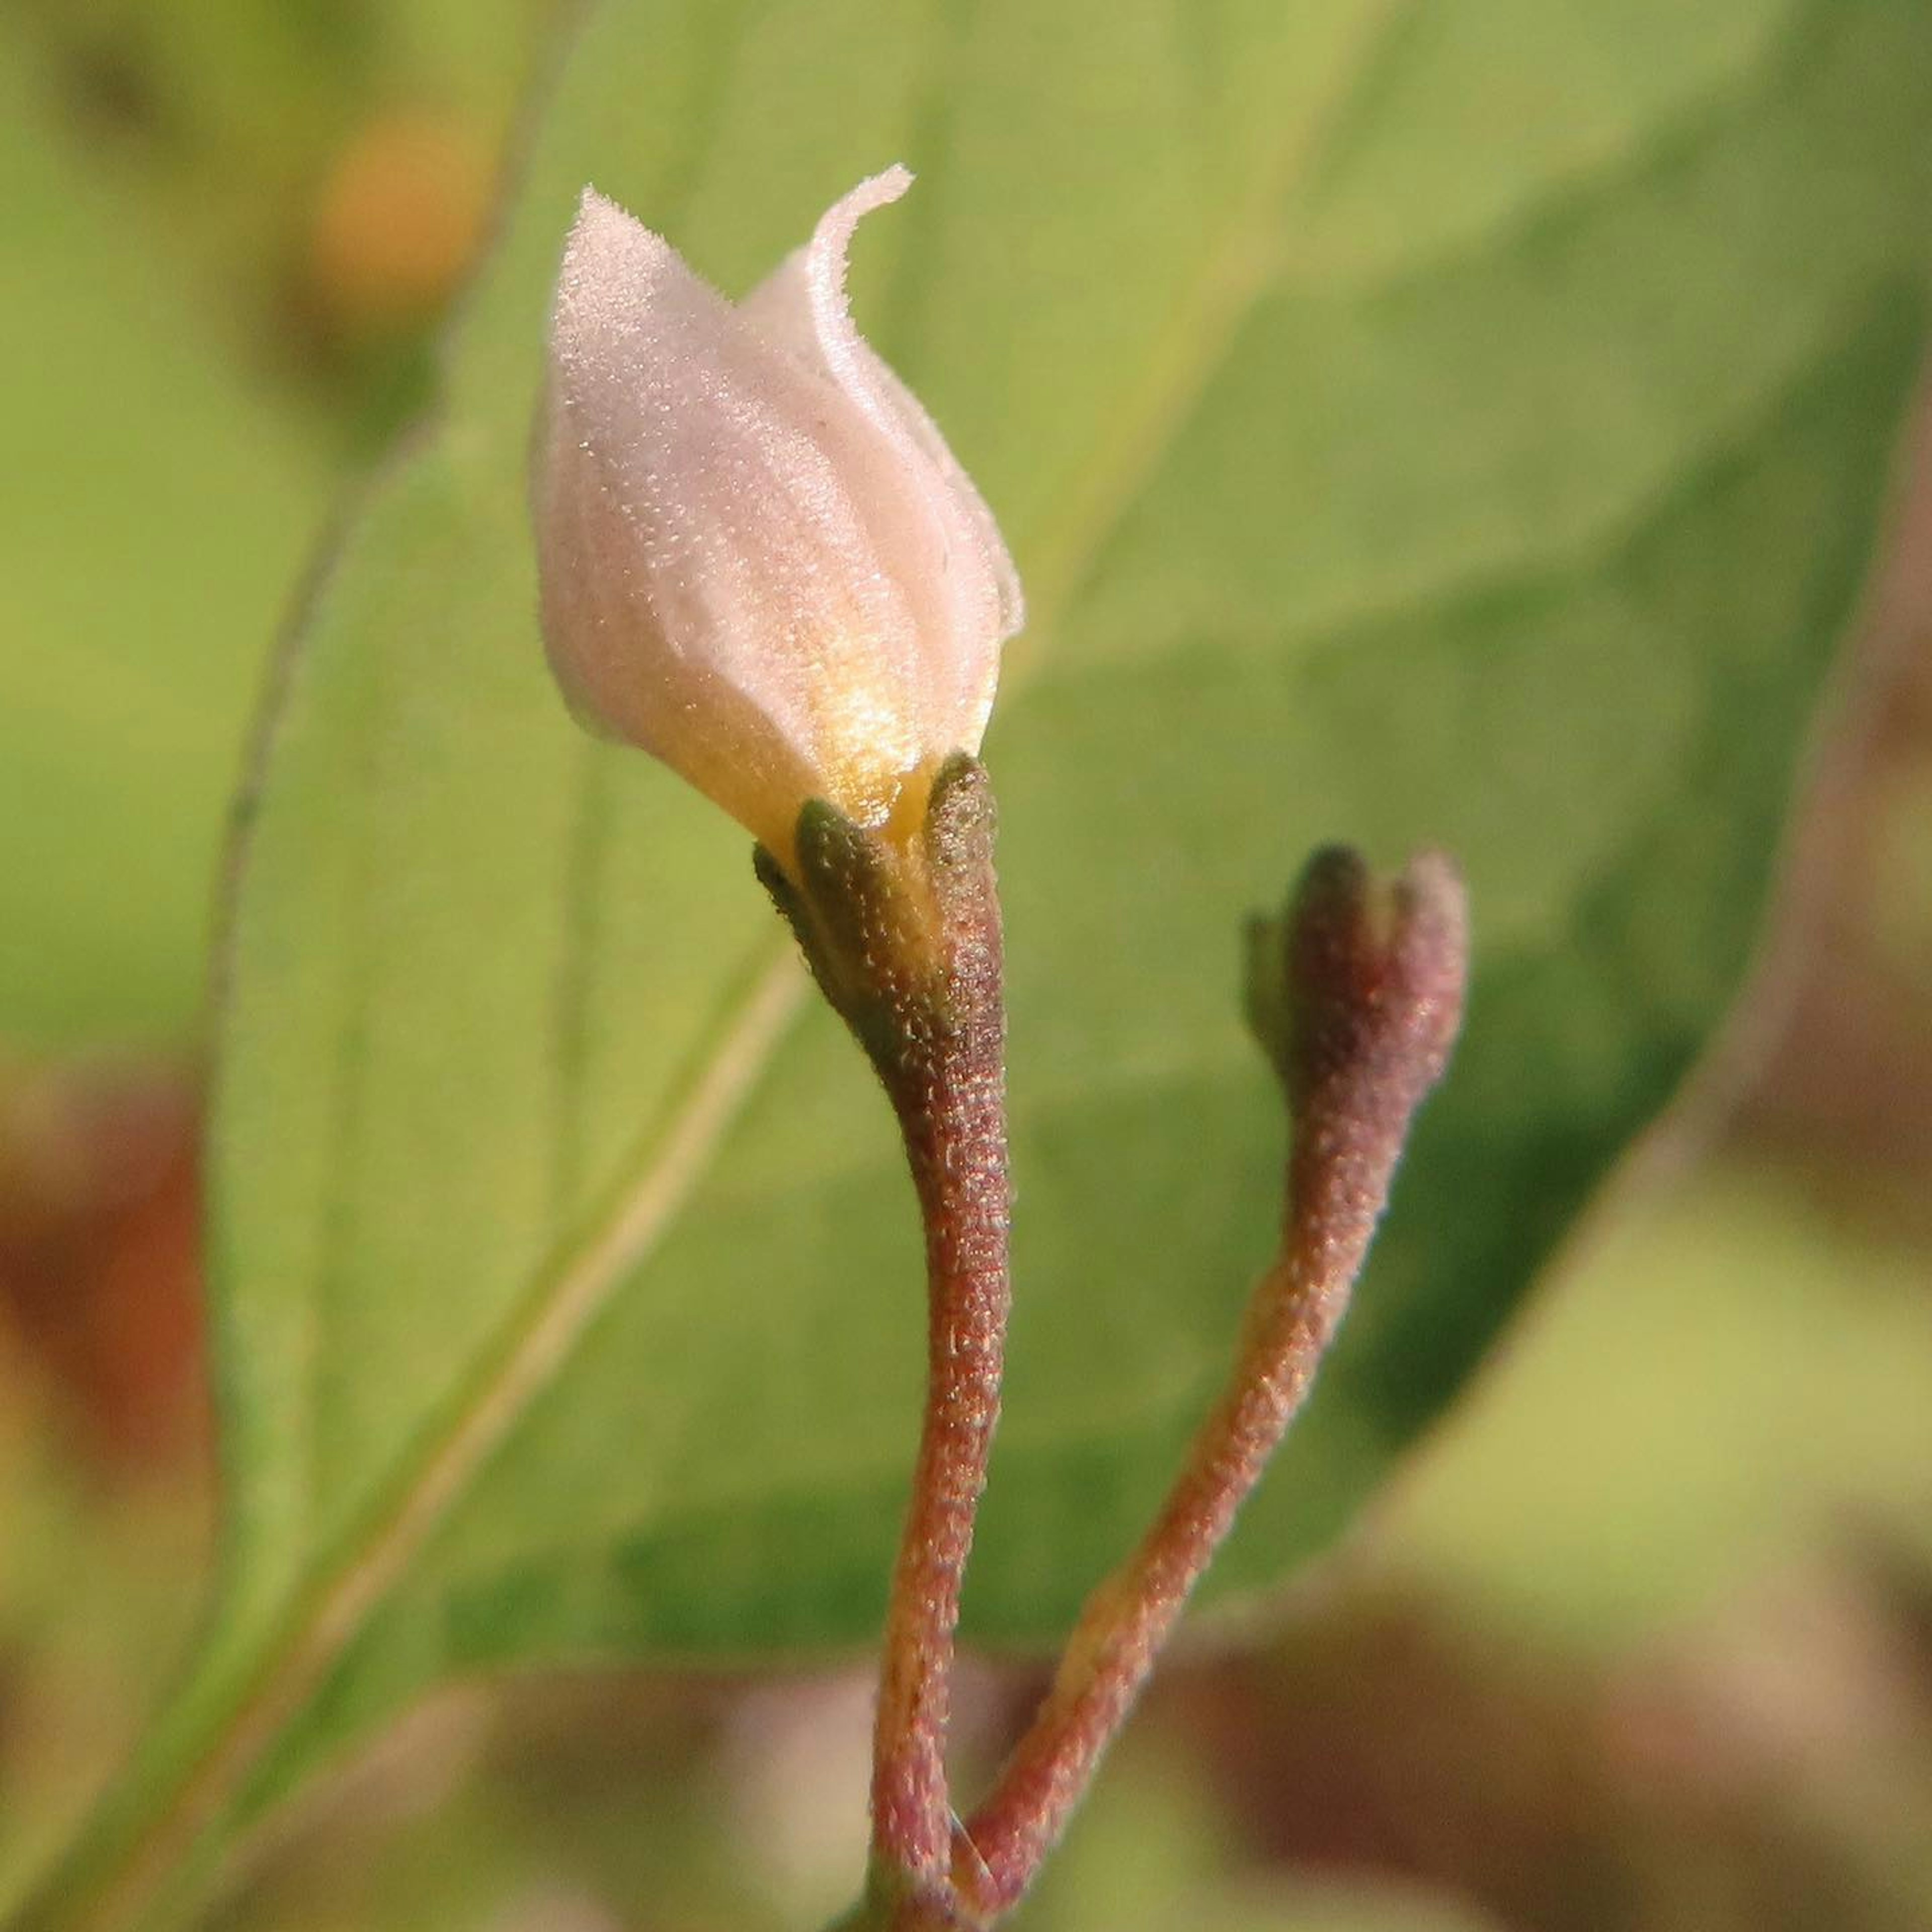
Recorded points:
(154,505)
(1414,424)
(1783,1409)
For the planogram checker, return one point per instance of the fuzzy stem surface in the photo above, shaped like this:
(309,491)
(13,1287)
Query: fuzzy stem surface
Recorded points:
(949,1092)
(1364,999)
(903,934)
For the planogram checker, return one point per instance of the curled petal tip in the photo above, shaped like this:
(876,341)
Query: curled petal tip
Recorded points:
(757,558)
(876,191)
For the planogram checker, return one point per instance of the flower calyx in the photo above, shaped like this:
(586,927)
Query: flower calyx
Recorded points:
(898,931)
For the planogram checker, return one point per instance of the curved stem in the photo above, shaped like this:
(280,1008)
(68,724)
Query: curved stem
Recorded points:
(902,933)
(1358,999)
(948,1089)
(1356,994)
(1297,1307)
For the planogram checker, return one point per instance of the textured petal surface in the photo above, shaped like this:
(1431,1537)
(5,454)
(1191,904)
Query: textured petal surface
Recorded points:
(712,590)
(928,515)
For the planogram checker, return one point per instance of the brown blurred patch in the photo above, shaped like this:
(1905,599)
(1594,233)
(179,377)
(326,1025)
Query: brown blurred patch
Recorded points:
(1679,1794)
(1854,1069)
(99,1273)
(1845,1089)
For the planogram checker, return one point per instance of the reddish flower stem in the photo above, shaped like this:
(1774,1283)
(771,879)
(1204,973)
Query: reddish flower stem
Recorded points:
(948,1089)
(1365,1029)
(902,933)
(1129,1618)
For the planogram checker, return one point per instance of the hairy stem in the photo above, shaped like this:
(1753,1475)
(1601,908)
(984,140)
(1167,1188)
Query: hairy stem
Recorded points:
(949,1092)
(1128,1619)
(902,932)
(1360,1011)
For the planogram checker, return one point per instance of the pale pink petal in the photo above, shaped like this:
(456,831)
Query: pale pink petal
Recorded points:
(930,514)
(684,476)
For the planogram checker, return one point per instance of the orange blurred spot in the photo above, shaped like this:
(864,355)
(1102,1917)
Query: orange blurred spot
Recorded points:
(398,220)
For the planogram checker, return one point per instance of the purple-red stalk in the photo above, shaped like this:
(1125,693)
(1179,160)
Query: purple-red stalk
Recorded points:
(949,1092)
(1360,1009)
(903,935)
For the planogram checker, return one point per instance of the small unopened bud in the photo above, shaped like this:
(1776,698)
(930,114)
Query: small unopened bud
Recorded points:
(1356,991)
(758,559)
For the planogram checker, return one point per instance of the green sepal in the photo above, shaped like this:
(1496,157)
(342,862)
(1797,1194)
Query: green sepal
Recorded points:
(845,908)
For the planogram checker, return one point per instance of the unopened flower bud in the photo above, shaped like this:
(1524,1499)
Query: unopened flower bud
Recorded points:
(758,559)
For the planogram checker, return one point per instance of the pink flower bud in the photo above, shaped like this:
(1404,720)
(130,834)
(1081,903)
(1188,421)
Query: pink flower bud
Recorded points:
(758,559)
